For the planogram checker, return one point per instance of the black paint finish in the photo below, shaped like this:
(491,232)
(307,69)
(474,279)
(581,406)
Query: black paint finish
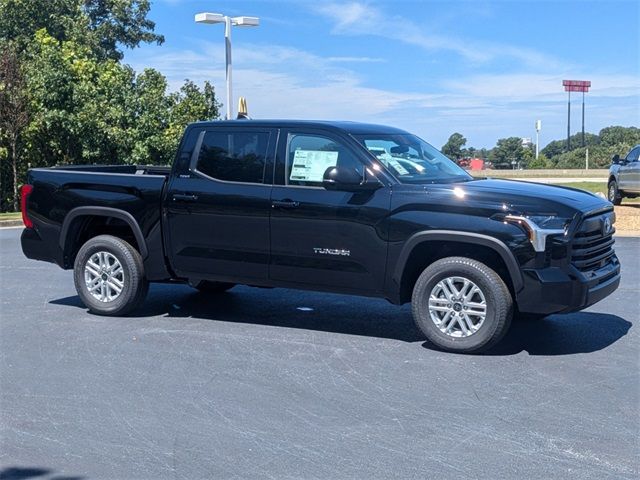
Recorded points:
(191,227)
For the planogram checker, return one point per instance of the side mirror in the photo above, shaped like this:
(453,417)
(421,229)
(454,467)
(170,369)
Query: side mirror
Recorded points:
(615,159)
(348,180)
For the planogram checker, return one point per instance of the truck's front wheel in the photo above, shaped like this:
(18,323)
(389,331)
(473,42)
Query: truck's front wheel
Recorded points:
(613,194)
(461,305)
(109,276)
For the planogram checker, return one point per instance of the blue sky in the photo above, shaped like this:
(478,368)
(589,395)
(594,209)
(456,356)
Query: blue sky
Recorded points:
(485,69)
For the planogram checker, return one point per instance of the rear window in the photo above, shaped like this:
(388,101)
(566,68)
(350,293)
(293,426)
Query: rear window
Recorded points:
(234,156)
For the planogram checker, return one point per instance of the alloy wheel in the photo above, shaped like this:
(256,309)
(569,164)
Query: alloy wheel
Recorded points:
(457,306)
(104,276)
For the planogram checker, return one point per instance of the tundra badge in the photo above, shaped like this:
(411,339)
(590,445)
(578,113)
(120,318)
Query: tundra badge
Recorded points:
(332,251)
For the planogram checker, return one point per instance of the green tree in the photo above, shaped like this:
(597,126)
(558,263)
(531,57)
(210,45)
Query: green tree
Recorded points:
(188,105)
(602,147)
(508,150)
(558,147)
(14,113)
(76,102)
(104,25)
(482,153)
(541,162)
(98,111)
(454,146)
(124,22)
(153,110)
(617,135)
(599,156)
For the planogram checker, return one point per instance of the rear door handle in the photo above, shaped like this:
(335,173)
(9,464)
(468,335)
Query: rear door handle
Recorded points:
(184,197)
(285,204)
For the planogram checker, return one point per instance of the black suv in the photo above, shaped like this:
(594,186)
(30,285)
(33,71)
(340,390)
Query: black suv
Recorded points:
(331,206)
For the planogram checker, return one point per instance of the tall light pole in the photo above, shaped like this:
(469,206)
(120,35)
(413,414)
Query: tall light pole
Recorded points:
(538,128)
(228,23)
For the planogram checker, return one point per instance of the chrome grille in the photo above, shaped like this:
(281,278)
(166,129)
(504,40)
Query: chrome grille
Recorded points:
(592,246)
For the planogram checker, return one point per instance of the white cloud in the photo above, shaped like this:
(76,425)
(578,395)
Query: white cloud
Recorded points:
(280,81)
(356,60)
(540,86)
(285,82)
(357,18)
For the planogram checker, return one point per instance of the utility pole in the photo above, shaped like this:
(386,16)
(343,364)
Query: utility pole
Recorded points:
(586,158)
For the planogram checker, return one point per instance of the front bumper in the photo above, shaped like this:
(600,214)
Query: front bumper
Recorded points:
(557,290)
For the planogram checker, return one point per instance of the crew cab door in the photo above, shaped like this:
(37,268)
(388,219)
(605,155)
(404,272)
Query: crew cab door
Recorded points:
(629,173)
(330,240)
(217,206)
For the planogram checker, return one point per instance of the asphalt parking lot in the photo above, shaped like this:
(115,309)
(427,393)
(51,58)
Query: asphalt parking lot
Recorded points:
(284,384)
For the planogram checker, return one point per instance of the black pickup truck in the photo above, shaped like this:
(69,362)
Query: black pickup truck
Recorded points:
(331,206)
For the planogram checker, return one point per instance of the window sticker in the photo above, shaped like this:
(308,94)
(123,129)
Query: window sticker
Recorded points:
(310,165)
(388,160)
(397,166)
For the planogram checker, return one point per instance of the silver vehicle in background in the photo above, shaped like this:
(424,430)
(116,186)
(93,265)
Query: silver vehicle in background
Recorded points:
(624,176)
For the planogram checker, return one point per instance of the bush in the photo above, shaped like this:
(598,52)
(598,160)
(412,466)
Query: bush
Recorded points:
(541,162)
(599,156)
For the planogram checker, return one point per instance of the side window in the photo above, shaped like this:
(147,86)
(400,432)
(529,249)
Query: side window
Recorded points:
(309,156)
(233,156)
(633,155)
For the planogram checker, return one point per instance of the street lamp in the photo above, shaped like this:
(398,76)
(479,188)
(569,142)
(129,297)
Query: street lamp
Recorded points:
(538,128)
(228,23)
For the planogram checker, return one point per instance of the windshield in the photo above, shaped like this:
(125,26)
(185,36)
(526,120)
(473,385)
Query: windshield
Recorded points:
(412,160)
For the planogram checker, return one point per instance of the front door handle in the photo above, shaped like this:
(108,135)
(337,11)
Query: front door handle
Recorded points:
(184,197)
(285,204)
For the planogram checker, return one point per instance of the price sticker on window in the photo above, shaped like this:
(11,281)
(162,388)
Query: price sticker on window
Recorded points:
(310,165)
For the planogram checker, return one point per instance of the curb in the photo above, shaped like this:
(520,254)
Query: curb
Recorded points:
(10,223)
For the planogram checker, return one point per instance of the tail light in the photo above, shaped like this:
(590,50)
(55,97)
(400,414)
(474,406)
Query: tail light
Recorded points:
(25,191)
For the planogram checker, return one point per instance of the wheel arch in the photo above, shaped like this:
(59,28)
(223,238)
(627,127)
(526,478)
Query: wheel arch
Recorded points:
(73,223)
(478,245)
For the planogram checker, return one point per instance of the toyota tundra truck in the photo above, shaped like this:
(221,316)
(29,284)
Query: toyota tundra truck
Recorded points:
(342,207)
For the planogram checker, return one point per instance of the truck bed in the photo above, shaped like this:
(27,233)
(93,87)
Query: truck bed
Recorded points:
(63,197)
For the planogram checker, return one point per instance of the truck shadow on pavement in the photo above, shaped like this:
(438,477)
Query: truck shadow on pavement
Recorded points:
(24,473)
(582,332)
(294,309)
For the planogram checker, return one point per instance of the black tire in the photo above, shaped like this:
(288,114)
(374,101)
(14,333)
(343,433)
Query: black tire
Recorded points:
(499,305)
(206,286)
(134,284)
(613,194)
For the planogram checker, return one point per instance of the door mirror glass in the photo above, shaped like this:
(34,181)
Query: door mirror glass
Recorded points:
(615,159)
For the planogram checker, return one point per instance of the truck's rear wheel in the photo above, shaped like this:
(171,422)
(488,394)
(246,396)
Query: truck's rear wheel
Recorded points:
(461,305)
(109,276)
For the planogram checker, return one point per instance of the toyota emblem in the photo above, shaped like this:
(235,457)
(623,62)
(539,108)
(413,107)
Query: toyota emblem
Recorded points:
(606,226)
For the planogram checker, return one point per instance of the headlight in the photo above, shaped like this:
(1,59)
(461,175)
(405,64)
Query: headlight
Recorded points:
(549,221)
(539,227)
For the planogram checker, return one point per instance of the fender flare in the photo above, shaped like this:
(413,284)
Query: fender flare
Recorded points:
(463,237)
(103,212)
